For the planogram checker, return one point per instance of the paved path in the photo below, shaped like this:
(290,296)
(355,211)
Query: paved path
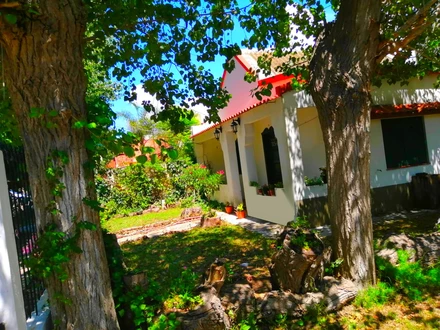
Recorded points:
(268,229)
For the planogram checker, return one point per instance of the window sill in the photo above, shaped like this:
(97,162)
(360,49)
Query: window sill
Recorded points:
(408,166)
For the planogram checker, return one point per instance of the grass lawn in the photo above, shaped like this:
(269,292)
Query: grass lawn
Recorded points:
(116,224)
(174,265)
(164,258)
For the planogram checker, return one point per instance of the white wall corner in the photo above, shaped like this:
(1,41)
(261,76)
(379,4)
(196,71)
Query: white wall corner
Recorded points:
(11,295)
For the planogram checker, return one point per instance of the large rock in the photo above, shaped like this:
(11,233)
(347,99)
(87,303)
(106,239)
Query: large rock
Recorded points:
(424,248)
(191,212)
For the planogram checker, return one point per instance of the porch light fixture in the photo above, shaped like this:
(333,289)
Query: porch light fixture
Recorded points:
(217,132)
(235,124)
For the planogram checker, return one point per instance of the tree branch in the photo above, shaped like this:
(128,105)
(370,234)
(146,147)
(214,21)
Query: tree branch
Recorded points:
(413,28)
(10,5)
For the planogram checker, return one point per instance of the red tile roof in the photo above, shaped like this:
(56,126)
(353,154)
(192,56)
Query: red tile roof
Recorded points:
(377,112)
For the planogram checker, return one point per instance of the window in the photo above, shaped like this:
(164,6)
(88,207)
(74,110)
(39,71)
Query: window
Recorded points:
(271,156)
(405,142)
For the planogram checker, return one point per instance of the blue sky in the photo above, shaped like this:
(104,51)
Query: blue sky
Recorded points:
(237,35)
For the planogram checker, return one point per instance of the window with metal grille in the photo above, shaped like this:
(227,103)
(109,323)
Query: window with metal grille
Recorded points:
(271,156)
(405,142)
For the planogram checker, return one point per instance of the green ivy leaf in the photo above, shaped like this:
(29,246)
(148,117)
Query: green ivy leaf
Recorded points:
(36,112)
(11,18)
(142,159)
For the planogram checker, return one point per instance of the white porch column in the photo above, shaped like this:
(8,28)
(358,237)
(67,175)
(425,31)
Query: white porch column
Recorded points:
(11,295)
(227,141)
(246,146)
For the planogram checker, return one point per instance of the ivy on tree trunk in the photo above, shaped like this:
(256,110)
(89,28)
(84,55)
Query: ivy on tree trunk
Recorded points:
(341,70)
(45,77)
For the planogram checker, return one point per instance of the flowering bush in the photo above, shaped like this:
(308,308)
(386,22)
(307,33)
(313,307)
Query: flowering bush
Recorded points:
(198,182)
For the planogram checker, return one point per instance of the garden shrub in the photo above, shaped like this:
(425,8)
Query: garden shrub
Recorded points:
(133,188)
(409,277)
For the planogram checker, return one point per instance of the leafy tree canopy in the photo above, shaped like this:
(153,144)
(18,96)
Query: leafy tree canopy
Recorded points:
(166,41)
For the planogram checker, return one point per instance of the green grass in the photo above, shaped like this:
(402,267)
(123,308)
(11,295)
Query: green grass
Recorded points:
(116,224)
(175,263)
(164,258)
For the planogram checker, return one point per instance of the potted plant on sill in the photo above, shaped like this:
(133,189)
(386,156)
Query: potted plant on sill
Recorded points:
(257,187)
(229,208)
(241,212)
(271,190)
(279,185)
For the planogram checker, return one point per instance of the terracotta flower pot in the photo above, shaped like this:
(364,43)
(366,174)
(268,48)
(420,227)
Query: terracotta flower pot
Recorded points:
(241,214)
(229,209)
(271,192)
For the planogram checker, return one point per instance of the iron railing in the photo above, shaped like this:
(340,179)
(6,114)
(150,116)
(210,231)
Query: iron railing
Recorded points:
(23,218)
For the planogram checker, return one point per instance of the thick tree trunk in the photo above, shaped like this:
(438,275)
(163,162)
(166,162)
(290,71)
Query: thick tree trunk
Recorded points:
(341,70)
(44,70)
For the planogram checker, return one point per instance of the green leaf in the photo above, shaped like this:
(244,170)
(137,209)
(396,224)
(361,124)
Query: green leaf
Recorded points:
(36,112)
(153,158)
(91,125)
(79,124)
(53,113)
(129,151)
(173,153)
(142,159)
(11,18)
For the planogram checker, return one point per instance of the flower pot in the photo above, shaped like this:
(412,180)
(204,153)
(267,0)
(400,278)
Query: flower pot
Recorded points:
(229,209)
(271,192)
(259,191)
(241,214)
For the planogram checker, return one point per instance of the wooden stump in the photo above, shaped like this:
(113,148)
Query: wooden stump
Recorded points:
(295,268)
(209,316)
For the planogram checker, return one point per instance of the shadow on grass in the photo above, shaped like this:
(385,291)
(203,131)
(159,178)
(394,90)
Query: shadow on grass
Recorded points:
(163,258)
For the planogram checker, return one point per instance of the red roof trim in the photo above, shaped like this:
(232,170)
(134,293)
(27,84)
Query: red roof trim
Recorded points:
(238,114)
(401,110)
(377,112)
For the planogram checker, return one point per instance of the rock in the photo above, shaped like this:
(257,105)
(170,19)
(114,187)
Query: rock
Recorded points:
(339,292)
(154,208)
(146,211)
(240,298)
(191,212)
(138,279)
(288,303)
(209,316)
(210,222)
(425,248)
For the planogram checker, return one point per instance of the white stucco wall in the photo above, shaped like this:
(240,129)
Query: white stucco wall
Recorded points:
(417,91)
(213,155)
(381,176)
(280,208)
(311,140)
(304,131)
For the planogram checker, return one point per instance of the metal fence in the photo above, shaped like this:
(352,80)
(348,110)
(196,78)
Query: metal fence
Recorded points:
(23,218)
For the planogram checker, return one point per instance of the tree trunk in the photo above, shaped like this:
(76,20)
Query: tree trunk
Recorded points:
(44,69)
(341,70)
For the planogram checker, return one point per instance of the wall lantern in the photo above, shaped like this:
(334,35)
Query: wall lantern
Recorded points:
(217,132)
(235,124)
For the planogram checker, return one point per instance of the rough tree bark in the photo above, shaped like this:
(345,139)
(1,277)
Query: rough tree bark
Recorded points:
(44,69)
(341,70)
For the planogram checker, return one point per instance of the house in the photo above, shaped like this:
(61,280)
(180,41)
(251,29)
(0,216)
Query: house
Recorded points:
(279,139)
(123,160)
